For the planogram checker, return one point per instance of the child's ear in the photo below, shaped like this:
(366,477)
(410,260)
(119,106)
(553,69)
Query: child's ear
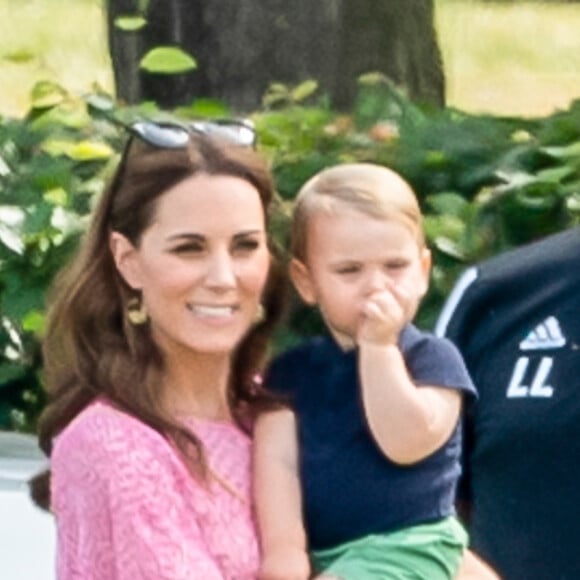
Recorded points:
(426,268)
(125,258)
(302,281)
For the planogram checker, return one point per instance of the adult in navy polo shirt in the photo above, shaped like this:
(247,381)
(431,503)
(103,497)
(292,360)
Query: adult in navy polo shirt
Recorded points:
(516,320)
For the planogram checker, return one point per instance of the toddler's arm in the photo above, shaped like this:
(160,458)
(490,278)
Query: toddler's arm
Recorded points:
(408,423)
(278,498)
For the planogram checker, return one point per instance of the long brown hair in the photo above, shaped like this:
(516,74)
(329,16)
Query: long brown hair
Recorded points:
(90,349)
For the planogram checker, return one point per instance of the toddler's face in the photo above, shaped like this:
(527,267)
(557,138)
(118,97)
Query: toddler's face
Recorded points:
(354,258)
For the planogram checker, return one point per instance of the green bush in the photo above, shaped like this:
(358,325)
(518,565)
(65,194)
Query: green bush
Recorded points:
(485,183)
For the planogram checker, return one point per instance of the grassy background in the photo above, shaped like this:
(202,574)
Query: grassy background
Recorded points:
(514,58)
(60,40)
(521,58)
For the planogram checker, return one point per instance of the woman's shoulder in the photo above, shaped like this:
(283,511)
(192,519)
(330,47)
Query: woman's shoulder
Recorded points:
(102,432)
(100,419)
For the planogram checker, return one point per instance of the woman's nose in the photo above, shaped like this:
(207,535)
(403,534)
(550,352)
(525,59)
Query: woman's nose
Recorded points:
(220,271)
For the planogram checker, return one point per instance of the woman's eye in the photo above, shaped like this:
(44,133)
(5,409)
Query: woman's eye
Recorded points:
(189,248)
(246,245)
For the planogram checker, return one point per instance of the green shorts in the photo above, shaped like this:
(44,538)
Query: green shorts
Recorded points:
(425,552)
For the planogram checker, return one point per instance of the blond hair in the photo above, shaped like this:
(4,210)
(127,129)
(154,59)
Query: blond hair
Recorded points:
(371,189)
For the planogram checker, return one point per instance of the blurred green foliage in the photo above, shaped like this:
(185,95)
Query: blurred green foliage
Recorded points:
(485,184)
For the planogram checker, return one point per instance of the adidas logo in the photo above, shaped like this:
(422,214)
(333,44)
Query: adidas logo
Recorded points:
(547,335)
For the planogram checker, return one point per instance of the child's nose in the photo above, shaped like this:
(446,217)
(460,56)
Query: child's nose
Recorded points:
(377,280)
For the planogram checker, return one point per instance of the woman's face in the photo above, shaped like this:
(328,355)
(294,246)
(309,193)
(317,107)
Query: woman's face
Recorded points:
(201,265)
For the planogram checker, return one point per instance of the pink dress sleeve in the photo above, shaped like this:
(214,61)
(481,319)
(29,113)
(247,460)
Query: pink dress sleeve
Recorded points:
(127,508)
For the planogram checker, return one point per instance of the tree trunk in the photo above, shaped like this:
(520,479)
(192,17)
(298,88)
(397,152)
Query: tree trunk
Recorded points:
(396,38)
(126,49)
(242,47)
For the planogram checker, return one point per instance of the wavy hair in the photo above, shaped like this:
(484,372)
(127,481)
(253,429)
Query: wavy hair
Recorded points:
(90,350)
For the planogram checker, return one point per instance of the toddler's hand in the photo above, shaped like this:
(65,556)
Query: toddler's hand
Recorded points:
(384,315)
(285,564)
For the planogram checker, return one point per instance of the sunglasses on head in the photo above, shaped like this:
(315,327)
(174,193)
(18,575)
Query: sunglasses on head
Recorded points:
(173,135)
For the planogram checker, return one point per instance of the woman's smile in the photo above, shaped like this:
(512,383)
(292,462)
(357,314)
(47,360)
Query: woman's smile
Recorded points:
(205,251)
(208,311)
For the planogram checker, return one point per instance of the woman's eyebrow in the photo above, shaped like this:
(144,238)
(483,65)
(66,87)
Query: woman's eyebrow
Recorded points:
(195,237)
(248,233)
(192,237)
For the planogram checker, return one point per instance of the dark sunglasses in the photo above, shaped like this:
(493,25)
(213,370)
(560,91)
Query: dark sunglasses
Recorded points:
(173,135)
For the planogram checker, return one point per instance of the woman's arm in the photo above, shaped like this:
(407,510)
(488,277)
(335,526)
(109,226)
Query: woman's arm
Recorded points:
(474,568)
(278,498)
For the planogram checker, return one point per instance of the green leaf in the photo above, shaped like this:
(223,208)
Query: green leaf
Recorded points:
(4,168)
(82,151)
(304,90)
(10,372)
(90,151)
(46,94)
(11,223)
(56,196)
(449,247)
(130,23)
(276,94)
(521,136)
(448,203)
(70,113)
(19,297)
(34,321)
(372,78)
(514,179)
(435,158)
(22,56)
(37,219)
(206,108)
(100,102)
(56,147)
(565,152)
(573,203)
(167,60)
(444,226)
(555,174)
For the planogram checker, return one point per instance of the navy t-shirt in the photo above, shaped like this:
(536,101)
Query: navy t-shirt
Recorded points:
(350,488)
(516,320)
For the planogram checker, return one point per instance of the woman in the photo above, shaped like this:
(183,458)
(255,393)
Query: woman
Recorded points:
(155,334)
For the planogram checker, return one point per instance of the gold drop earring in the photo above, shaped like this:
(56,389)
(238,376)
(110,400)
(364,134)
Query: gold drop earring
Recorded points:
(260,315)
(136,311)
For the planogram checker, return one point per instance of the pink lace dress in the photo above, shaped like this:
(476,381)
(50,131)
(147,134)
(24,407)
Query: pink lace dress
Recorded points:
(128,509)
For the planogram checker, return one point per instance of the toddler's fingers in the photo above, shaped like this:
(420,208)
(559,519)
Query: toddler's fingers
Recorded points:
(372,310)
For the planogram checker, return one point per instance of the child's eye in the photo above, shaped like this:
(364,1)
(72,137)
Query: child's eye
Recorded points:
(350,269)
(396,264)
